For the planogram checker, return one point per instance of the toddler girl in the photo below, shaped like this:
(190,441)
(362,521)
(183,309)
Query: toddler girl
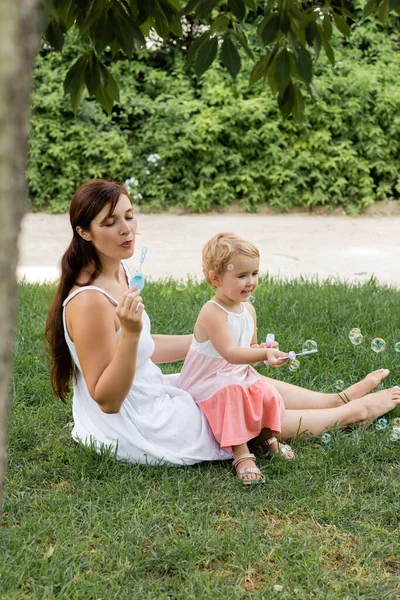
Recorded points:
(238,403)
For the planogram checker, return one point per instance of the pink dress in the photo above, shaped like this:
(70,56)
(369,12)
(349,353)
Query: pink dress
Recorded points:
(237,402)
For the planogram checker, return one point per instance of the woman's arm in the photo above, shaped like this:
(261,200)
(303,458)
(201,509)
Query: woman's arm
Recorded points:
(170,347)
(108,366)
(214,322)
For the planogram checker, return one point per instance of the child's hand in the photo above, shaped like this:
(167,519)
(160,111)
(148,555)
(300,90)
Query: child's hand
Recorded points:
(264,345)
(273,354)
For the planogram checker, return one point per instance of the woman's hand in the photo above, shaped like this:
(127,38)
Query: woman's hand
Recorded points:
(130,311)
(273,354)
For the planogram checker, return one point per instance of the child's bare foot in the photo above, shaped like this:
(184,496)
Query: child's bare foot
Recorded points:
(373,406)
(366,385)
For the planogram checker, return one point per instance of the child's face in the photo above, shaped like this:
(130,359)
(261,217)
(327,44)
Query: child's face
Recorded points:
(239,283)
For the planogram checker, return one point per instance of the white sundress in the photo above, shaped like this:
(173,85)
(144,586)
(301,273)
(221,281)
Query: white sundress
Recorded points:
(157,423)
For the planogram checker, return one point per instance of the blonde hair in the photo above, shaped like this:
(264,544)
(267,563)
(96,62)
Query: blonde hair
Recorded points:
(218,251)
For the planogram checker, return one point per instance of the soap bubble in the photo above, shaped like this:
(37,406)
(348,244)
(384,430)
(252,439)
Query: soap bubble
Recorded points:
(339,384)
(251,299)
(294,365)
(326,438)
(382,423)
(397,346)
(378,345)
(395,434)
(396,422)
(356,337)
(180,286)
(309,345)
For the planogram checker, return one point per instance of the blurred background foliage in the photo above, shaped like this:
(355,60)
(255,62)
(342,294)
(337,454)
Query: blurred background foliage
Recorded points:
(218,141)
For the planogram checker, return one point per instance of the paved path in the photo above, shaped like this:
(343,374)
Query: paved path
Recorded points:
(291,245)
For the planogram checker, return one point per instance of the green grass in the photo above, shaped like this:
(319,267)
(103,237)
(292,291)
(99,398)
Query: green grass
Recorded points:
(78,525)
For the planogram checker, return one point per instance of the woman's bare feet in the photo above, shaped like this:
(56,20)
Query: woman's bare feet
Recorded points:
(365,386)
(371,407)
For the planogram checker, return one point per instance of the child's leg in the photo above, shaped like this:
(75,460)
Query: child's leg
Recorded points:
(243,465)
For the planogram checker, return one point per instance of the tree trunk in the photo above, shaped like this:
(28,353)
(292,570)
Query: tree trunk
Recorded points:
(19,41)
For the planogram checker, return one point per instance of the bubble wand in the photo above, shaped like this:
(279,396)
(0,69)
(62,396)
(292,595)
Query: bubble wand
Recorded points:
(290,355)
(138,278)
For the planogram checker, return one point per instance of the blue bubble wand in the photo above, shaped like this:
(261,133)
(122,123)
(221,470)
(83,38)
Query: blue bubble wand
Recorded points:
(138,278)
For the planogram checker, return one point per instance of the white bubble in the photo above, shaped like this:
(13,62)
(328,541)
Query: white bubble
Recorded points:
(397,346)
(309,345)
(326,438)
(378,345)
(356,337)
(339,384)
(294,365)
(181,286)
(251,299)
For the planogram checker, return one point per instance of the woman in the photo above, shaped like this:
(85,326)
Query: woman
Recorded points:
(99,332)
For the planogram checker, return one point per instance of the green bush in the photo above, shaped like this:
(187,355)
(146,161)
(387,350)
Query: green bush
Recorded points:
(220,141)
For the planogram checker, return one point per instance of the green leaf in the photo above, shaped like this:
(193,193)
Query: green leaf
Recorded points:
(75,75)
(195,47)
(55,34)
(241,38)
(282,70)
(284,22)
(175,25)
(112,87)
(102,33)
(230,57)
(311,31)
(304,65)
(327,26)
(220,24)
(286,100)
(92,73)
(161,22)
(383,11)
(298,104)
(260,69)
(342,25)
(251,4)
(269,29)
(103,74)
(205,8)
(238,8)
(104,97)
(190,7)
(328,48)
(76,96)
(206,56)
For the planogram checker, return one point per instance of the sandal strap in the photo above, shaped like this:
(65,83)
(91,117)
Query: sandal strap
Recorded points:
(271,441)
(243,457)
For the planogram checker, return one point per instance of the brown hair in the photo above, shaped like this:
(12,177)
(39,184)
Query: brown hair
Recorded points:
(221,249)
(86,204)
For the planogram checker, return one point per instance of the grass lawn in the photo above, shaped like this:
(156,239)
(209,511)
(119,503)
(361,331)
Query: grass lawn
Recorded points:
(78,525)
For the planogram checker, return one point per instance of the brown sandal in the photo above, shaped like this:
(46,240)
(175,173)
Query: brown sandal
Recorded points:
(242,473)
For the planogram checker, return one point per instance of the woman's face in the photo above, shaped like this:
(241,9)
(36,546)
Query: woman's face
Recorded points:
(113,235)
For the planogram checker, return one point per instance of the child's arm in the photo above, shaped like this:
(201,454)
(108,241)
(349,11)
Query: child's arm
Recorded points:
(213,321)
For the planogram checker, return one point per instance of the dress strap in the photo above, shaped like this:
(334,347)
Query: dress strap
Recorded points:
(218,304)
(89,287)
(127,273)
